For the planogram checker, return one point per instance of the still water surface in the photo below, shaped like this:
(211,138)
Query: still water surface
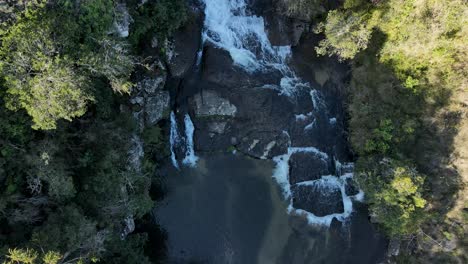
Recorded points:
(229,209)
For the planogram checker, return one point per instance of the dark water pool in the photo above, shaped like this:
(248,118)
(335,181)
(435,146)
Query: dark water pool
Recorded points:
(229,210)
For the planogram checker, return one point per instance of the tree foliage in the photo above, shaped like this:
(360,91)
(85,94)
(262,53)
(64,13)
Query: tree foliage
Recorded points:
(50,54)
(395,196)
(66,188)
(406,101)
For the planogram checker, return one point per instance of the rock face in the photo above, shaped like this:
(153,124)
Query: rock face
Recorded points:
(182,50)
(305,166)
(128,226)
(156,107)
(351,188)
(150,96)
(219,68)
(209,103)
(285,31)
(122,20)
(318,199)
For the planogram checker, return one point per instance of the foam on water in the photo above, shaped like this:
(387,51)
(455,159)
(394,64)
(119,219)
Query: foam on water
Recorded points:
(229,26)
(174,139)
(325,183)
(190,157)
(281,172)
(317,101)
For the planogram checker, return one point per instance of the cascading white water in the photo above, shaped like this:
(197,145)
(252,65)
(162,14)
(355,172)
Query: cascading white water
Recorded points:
(326,183)
(190,158)
(174,139)
(229,26)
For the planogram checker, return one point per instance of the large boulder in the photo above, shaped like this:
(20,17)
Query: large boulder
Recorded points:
(284,31)
(210,104)
(150,100)
(219,68)
(156,107)
(182,50)
(350,187)
(319,198)
(264,144)
(306,166)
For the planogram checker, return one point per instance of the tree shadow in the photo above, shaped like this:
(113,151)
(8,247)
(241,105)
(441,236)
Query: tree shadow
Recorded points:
(425,127)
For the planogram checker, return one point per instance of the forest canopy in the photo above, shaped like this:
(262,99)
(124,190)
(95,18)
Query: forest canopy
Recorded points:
(68,193)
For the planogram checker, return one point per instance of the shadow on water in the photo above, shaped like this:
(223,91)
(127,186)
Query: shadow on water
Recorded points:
(229,210)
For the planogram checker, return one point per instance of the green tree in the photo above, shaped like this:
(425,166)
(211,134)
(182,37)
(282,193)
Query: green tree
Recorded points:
(394,192)
(347,33)
(20,256)
(51,53)
(37,79)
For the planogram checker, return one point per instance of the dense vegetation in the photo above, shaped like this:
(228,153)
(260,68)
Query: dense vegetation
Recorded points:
(409,64)
(67,191)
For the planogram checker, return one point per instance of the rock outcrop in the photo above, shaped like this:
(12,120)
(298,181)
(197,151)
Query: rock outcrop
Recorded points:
(183,47)
(306,166)
(150,100)
(319,199)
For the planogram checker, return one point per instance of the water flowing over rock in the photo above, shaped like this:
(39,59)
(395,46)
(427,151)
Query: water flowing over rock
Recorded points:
(182,144)
(244,108)
(321,197)
(174,140)
(229,26)
(190,158)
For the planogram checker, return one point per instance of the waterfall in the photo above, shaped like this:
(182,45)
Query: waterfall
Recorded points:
(190,158)
(229,26)
(186,143)
(174,139)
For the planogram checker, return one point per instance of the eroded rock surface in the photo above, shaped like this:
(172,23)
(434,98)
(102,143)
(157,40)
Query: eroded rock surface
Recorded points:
(185,44)
(306,166)
(318,199)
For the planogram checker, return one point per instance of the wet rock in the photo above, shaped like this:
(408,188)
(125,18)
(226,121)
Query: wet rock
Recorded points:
(209,103)
(218,68)
(217,127)
(335,224)
(305,166)
(284,31)
(186,42)
(264,144)
(156,106)
(212,135)
(350,187)
(318,199)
